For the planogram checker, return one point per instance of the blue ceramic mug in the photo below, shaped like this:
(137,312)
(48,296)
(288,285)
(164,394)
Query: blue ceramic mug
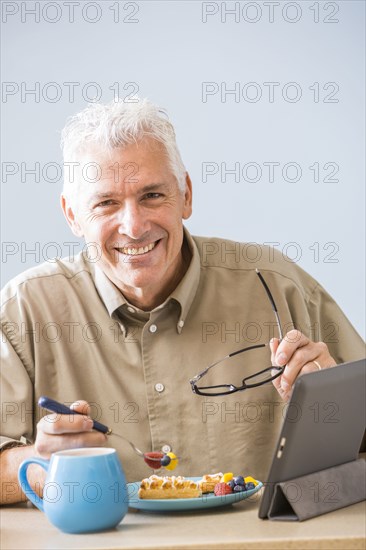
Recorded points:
(85,489)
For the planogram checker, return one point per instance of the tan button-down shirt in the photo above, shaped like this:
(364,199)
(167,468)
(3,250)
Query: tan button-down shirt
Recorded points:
(70,334)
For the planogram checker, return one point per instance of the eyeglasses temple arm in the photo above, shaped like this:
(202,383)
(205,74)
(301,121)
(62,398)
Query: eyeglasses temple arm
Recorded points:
(199,376)
(272,302)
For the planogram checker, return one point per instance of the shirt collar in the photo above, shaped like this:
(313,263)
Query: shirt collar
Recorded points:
(183,294)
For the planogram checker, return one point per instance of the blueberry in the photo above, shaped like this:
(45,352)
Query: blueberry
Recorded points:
(239,480)
(250,485)
(239,488)
(231,483)
(165,460)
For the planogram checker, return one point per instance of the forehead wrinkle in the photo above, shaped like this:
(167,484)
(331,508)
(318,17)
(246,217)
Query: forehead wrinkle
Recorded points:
(126,173)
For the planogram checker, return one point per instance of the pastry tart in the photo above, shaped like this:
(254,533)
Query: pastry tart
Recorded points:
(155,487)
(208,482)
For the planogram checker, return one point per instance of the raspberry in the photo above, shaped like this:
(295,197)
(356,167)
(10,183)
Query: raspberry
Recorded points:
(222,489)
(153,459)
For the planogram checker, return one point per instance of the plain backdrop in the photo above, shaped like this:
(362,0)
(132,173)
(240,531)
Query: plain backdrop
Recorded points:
(267,99)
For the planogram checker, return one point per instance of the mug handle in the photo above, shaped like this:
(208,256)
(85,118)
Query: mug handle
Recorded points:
(24,483)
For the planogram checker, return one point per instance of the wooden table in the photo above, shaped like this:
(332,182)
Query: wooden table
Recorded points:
(227,528)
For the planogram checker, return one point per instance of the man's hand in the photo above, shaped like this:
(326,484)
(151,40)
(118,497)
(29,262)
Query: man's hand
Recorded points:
(55,432)
(58,432)
(299,354)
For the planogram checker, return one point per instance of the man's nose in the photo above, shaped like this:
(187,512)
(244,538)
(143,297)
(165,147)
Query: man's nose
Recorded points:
(133,221)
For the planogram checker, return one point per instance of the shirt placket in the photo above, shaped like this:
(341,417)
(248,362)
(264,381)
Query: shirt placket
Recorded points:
(156,391)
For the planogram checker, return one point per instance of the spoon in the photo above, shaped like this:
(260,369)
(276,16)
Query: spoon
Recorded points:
(153,459)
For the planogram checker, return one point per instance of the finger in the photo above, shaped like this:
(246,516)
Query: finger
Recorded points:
(302,362)
(276,382)
(309,367)
(284,394)
(293,340)
(65,423)
(297,362)
(46,444)
(81,407)
(273,345)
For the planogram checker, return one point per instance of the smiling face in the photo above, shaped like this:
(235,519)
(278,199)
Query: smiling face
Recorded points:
(134,214)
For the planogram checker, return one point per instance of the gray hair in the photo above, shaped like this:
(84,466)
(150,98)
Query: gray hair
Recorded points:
(118,124)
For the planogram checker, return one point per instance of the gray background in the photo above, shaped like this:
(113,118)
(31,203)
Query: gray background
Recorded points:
(168,50)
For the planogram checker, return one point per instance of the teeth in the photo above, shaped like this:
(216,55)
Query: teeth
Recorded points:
(137,251)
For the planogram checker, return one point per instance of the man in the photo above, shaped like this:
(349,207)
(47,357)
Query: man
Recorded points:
(121,331)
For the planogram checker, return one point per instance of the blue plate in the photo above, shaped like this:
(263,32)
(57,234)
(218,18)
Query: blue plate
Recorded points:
(208,500)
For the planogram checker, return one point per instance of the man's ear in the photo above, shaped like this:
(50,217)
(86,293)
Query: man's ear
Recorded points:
(187,208)
(70,216)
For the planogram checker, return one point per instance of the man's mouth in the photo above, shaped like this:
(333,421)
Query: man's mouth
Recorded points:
(137,251)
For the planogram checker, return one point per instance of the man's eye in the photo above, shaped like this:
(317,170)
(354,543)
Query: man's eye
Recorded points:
(153,195)
(108,202)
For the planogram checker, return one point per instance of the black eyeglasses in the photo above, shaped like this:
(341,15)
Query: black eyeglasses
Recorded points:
(258,379)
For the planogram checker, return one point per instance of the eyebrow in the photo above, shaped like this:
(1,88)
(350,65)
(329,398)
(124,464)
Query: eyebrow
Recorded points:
(154,187)
(99,196)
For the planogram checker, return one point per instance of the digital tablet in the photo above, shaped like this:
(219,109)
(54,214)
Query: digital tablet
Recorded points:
(323,427)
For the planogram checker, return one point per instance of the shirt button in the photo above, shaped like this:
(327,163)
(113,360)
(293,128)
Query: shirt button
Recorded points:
(166,448)
(159,387)
(131,309)
(153,328)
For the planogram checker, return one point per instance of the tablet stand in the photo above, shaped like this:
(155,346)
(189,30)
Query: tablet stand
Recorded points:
(318,493)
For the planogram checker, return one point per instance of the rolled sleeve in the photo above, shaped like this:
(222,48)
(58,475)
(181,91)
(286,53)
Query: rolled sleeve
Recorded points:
(17,412)
(331,326)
